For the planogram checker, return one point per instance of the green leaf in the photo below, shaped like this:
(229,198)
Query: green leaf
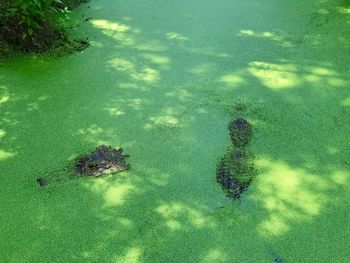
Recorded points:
(30,31)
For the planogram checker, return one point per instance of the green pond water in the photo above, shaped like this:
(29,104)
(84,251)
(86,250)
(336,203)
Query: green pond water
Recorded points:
(161,80)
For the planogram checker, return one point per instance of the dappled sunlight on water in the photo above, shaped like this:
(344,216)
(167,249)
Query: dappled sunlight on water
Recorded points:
(288,194)
(285,75)
(275,76)
(162,83)
(178,216)
(132,255)
(4,94)
(4,155)
(114,194)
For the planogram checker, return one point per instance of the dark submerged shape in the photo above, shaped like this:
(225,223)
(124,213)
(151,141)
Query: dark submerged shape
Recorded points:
(236,172)
(42,181)
(240,131)
(103,160)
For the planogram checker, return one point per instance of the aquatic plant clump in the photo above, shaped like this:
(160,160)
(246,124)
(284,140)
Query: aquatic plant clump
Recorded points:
(240,132)
(103,160)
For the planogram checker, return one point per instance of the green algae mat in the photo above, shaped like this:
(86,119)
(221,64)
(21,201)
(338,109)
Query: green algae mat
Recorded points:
(162,80)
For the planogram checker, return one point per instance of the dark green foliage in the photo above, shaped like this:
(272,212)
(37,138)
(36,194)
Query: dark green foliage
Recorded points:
(29,16)
(32,26)
(70,4)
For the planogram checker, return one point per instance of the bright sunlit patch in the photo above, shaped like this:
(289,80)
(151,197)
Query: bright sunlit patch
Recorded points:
(177,216)
(151,46)
(346,102)
(181,94)
(275,76)
(4,95)
(246,32)
(232,79)
(122,64)
(312,78)
(132,255)
(169,121)
(274,36)
(118,31)
(135,104)
(173,224)
(92,130)
(126,222)
(322,71)
(117,195)
(325,75)
(114,194)
(4,98)
(341,177)
(113,111)
(104,24)
(2,133)
(146,74)
(215,255)
(94,134)
(176,36)
(288,194)
(337,82)
(344,10)
(157,59)
(274,226)
(267,34)
(6,155)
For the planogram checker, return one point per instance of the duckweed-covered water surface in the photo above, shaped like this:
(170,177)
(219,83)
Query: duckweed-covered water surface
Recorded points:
(162,79)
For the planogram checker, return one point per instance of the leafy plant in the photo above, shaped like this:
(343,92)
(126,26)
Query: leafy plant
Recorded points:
(31,15)
(36,25)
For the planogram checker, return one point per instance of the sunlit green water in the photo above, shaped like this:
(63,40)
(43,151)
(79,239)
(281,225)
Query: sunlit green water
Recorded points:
(161,80)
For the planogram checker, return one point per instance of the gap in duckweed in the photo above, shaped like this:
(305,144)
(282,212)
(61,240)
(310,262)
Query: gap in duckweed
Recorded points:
(236,171)
(104,160)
